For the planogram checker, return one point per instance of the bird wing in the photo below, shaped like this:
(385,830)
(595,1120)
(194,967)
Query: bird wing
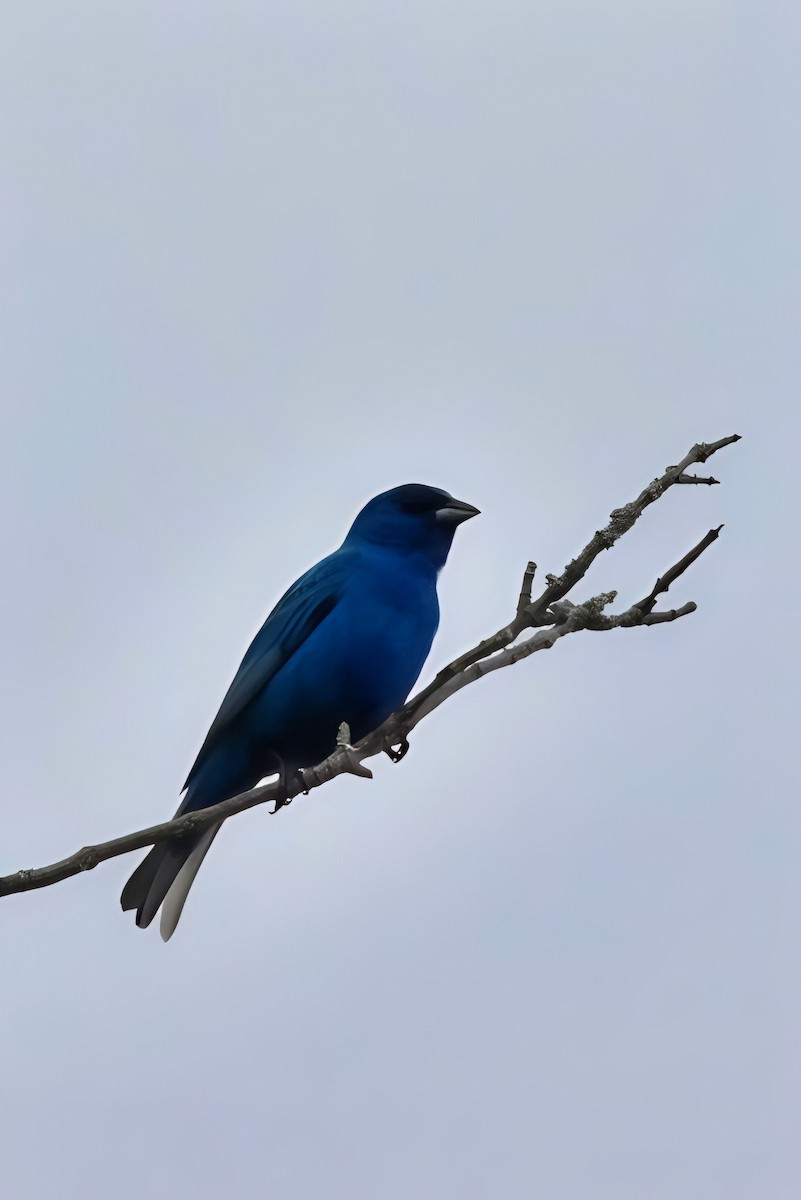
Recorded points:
(296,615)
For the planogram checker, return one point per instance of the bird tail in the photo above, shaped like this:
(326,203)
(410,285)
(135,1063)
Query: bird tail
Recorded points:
(165,877)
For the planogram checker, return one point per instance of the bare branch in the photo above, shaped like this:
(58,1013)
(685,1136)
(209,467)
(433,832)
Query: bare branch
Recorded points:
(552,616)
(621,520)
(89,857)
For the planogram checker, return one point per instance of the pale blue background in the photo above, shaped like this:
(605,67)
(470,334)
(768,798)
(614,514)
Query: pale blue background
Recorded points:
(260,262)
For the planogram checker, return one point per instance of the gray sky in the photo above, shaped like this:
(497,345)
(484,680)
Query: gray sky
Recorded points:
(261,262)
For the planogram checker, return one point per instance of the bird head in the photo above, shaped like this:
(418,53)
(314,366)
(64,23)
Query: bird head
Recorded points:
(413,519)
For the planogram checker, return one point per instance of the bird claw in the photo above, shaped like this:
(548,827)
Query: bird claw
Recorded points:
(283,798)
(396,753)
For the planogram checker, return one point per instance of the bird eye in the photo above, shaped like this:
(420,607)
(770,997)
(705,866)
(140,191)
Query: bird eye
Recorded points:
(416,506)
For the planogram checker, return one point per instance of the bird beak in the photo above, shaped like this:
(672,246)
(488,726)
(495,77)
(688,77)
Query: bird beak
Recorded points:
(456,511)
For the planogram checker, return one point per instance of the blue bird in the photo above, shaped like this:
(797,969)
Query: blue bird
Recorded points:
(345,643)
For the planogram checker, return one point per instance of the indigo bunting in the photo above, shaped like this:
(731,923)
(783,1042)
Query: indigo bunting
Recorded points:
(345,643)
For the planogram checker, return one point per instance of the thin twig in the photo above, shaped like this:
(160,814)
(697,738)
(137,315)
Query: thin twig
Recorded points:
(697,479)
(663,583)
(621,520)
(525,588)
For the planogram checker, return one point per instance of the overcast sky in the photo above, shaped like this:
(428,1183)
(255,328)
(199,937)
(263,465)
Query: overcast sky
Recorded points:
(261,261)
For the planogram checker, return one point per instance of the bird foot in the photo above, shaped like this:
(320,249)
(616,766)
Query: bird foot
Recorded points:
(283,798)
(396,753)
